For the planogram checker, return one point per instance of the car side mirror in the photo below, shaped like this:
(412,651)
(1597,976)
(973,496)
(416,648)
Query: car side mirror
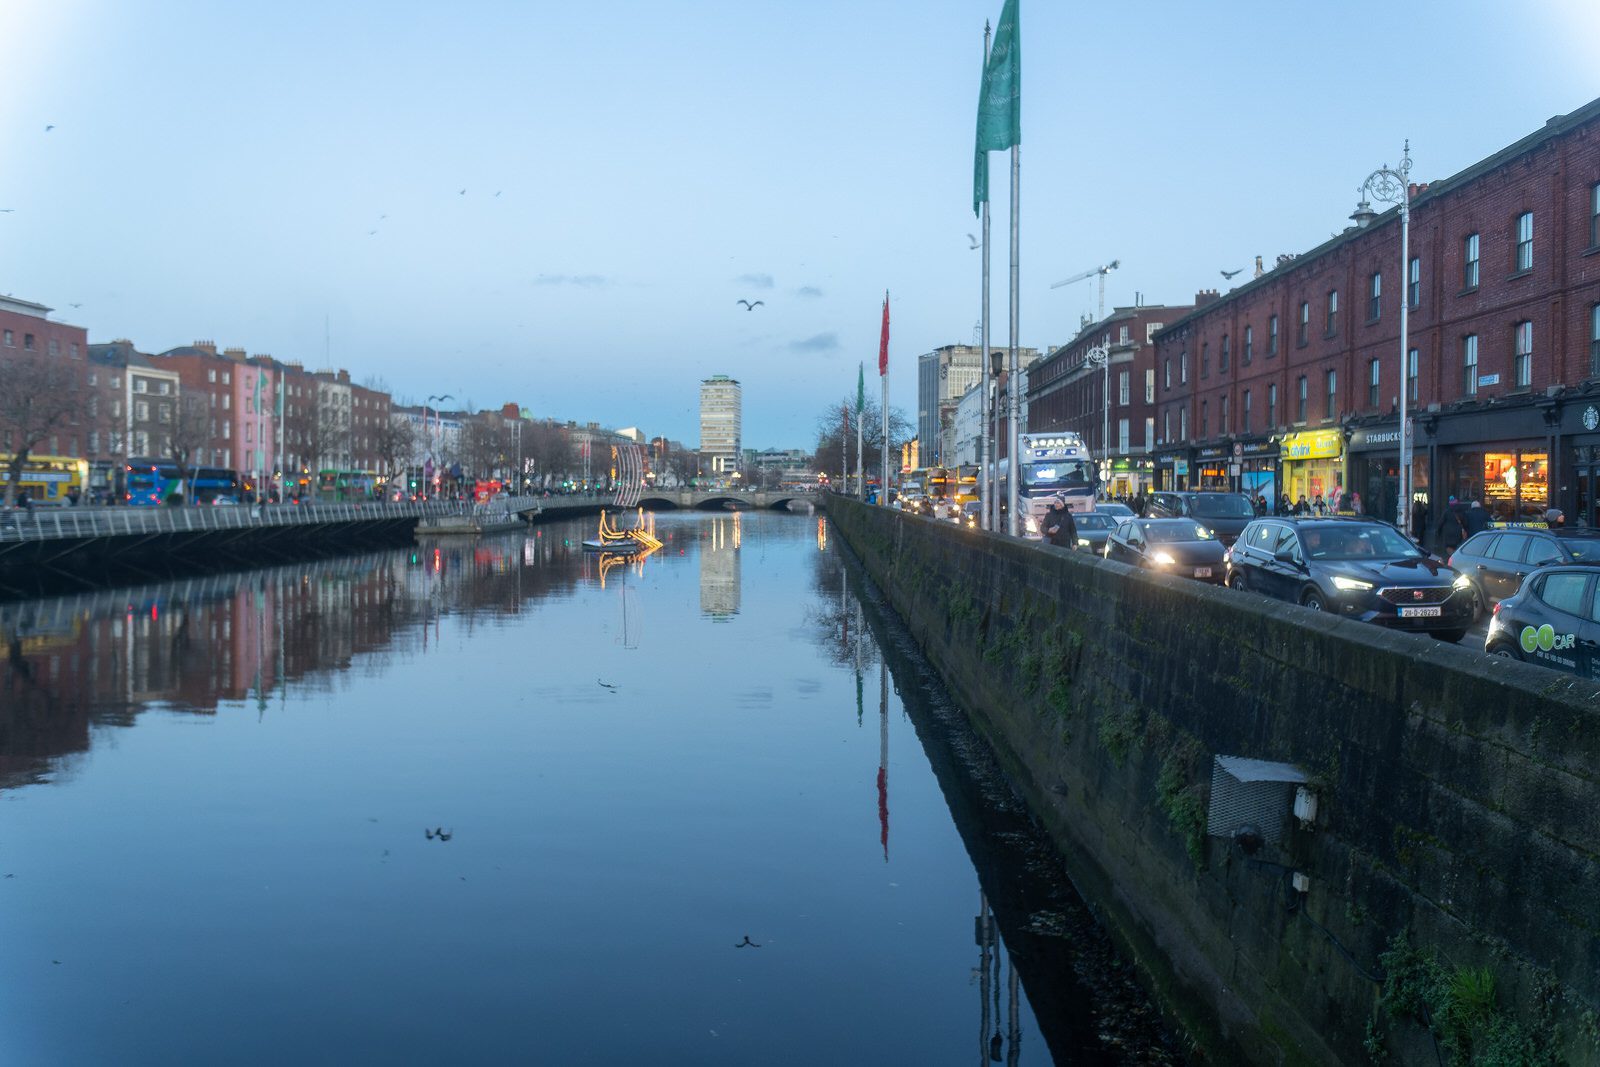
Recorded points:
(1286,555)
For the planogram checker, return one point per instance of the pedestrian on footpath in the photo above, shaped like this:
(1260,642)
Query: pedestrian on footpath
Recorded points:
(1451,529)
(1060,528)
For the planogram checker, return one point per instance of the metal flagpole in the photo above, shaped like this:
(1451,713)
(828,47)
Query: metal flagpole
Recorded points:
(844,453)
(988,480)
(884,377)
(1013,524)
(861,481)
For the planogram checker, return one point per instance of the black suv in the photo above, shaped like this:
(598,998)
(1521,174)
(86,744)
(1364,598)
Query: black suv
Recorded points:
(1224,514)
(1498,560)
(1554,620)
(1354,567)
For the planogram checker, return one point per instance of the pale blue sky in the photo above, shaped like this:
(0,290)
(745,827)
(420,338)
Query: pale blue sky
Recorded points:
(215,171)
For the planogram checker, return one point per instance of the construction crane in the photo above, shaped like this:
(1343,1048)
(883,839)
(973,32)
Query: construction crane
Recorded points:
(1102,271)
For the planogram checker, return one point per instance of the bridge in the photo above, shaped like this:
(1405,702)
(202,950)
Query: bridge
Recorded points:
(687,500)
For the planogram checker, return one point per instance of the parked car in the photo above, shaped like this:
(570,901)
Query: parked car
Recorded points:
(1498,560)
(972,514)
(1354,567)
(1172,546)
(1225,514)
(1094,529)
(1552,620)
(1115,510)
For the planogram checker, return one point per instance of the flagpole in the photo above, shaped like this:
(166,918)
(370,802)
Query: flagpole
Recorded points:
(883,369)
(1013,524)
(988,480)
(844,453)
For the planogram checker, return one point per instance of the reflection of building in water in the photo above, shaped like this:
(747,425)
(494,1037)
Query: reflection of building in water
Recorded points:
(719,569)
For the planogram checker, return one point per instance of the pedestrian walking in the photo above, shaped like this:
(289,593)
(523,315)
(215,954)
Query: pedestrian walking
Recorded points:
(1060,528)
(1355,503)
(1451,531)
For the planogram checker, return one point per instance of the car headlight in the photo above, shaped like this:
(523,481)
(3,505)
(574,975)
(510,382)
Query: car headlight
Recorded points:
(1164,558)
(1031,526)
(1351,585)
(1203,533)
(1084,541)
(1461,582)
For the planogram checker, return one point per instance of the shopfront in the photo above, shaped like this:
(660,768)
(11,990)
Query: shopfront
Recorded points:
(1130,476)
(1171,471)
(1511,479)
(1258,470)
(1579,495)
(1313,465)
(1211,469)
(1374,470)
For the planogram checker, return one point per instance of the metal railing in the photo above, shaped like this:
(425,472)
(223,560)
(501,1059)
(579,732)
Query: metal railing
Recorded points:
(63,523)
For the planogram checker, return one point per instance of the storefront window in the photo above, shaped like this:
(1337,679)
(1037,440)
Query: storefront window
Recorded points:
(1512,484)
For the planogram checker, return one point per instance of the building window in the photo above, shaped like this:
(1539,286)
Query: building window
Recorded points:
(1183,368)
(141,385)
(1149,432)
(1122,388)
(1333,392)
(1525,241)
(1372,384)
(141,411)
(10,339)
(1122,338)
(1300,411)
(1244,426)
(227,430)
(1272,407)
(1183,424)
(1333,313)
(227,378)
(1166,425)
(1222,424)
(1122,436)
(1414,282)
(27,341)
(1150,385)
(1469,257)
(1411,376)
(1272,335)
(1222,363)
(1375,298)
(1205,418)
(1594,215)
(1205,359)
(1594,341)
(1305,322)
(211,375)
(1522,336)
(164,411)
(227,399)
(1249,343)
(1469,365)
(55,347)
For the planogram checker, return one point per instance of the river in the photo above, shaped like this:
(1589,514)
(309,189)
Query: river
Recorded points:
(506,801)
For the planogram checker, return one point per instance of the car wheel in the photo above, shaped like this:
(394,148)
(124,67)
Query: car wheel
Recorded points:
(1312,598)
(1480,605)
(1504,651)
(1449,636)
(1240,581)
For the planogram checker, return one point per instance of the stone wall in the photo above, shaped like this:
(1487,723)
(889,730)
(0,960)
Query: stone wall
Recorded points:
(1452,864)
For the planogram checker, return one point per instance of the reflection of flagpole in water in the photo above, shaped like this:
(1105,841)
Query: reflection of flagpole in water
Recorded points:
(261,642)
(1013,1020)
(983,977)
(859,710)
(883,757)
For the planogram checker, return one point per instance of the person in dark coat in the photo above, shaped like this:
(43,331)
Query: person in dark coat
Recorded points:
(1475,519)
(1060,528)
(1452,531)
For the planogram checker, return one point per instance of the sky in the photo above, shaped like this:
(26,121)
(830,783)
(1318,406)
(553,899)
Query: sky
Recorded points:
(560,205)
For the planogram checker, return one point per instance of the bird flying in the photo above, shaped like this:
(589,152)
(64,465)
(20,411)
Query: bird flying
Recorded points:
(47,129)
(74,305)
(974,241)
(6,210)
(747,943)
(462,193)
(1231,273)
(751,307)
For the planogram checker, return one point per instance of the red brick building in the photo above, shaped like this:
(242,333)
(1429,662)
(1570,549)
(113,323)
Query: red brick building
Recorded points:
(1065,393)
(1291,382)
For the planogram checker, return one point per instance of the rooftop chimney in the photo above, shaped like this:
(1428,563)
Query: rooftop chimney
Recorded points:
(1204,297)
(1260,270)
(207,346)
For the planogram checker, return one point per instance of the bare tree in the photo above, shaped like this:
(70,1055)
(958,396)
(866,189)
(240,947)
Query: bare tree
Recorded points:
(188,433)
(483,445)
(684,465)
(833,447)
(40,399)
(547,447)
(394,443)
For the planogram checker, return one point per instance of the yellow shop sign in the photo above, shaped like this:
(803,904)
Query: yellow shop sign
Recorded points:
(1313,444)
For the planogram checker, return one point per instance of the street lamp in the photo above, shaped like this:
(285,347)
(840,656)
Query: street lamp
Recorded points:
(1393,186)
(1100,356)
(992,509)
(437,423)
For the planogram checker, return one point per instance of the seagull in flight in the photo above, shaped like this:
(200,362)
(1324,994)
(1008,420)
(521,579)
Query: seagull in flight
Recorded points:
(751,307)
(747,943)
(47,129)
(1230,273)
(462,193)
(6,210)
(497,192)
(74,305)
(974,241)
(371,232)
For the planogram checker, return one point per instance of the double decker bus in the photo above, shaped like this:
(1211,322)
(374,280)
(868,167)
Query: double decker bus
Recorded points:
(46,479)
(212,485)
(1049,463)
(146,482)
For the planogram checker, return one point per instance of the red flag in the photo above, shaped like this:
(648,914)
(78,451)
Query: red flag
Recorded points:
(883,340)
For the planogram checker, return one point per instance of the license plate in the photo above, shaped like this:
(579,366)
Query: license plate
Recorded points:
(1421,613)
(1202,572)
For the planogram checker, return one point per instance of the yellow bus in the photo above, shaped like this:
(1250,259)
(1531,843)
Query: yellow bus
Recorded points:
(47,479)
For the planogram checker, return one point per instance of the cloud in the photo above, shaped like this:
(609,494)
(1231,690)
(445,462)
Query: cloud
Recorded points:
(582,281)
(808,290)
(822,342)
(759,281)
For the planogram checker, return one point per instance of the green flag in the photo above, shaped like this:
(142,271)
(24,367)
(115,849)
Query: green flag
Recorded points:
(999,101)
(861,387)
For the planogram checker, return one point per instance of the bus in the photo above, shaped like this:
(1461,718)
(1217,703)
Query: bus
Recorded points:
(215,485)
(1050,463)
(47,479)
(346,486)
(145,481)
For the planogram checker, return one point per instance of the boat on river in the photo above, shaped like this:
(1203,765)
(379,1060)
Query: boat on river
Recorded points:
(622,542)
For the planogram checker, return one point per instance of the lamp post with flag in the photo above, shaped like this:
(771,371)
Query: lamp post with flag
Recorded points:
(883,375)
(999,128)
(861,405)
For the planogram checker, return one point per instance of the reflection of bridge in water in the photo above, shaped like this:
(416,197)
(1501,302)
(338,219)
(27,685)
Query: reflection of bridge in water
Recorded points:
(686,500)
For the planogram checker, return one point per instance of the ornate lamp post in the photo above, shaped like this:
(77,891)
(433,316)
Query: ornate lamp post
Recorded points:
(1100,356)
(1393,186)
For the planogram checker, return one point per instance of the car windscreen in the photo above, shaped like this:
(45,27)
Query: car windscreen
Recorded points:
(1169,532)
(1584,548)
(1226,506)
(1093,522)
(1357,542)
(1060,474)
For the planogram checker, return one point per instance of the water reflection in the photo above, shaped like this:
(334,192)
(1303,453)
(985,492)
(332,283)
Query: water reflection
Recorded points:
(719,567)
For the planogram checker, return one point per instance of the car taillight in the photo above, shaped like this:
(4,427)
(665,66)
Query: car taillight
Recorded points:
(1451,562)
(1496,610)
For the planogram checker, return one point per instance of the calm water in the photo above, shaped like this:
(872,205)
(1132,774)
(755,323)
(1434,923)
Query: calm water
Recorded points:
(216,799)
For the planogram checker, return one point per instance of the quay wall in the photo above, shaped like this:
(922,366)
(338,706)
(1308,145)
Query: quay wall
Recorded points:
(1452,863)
